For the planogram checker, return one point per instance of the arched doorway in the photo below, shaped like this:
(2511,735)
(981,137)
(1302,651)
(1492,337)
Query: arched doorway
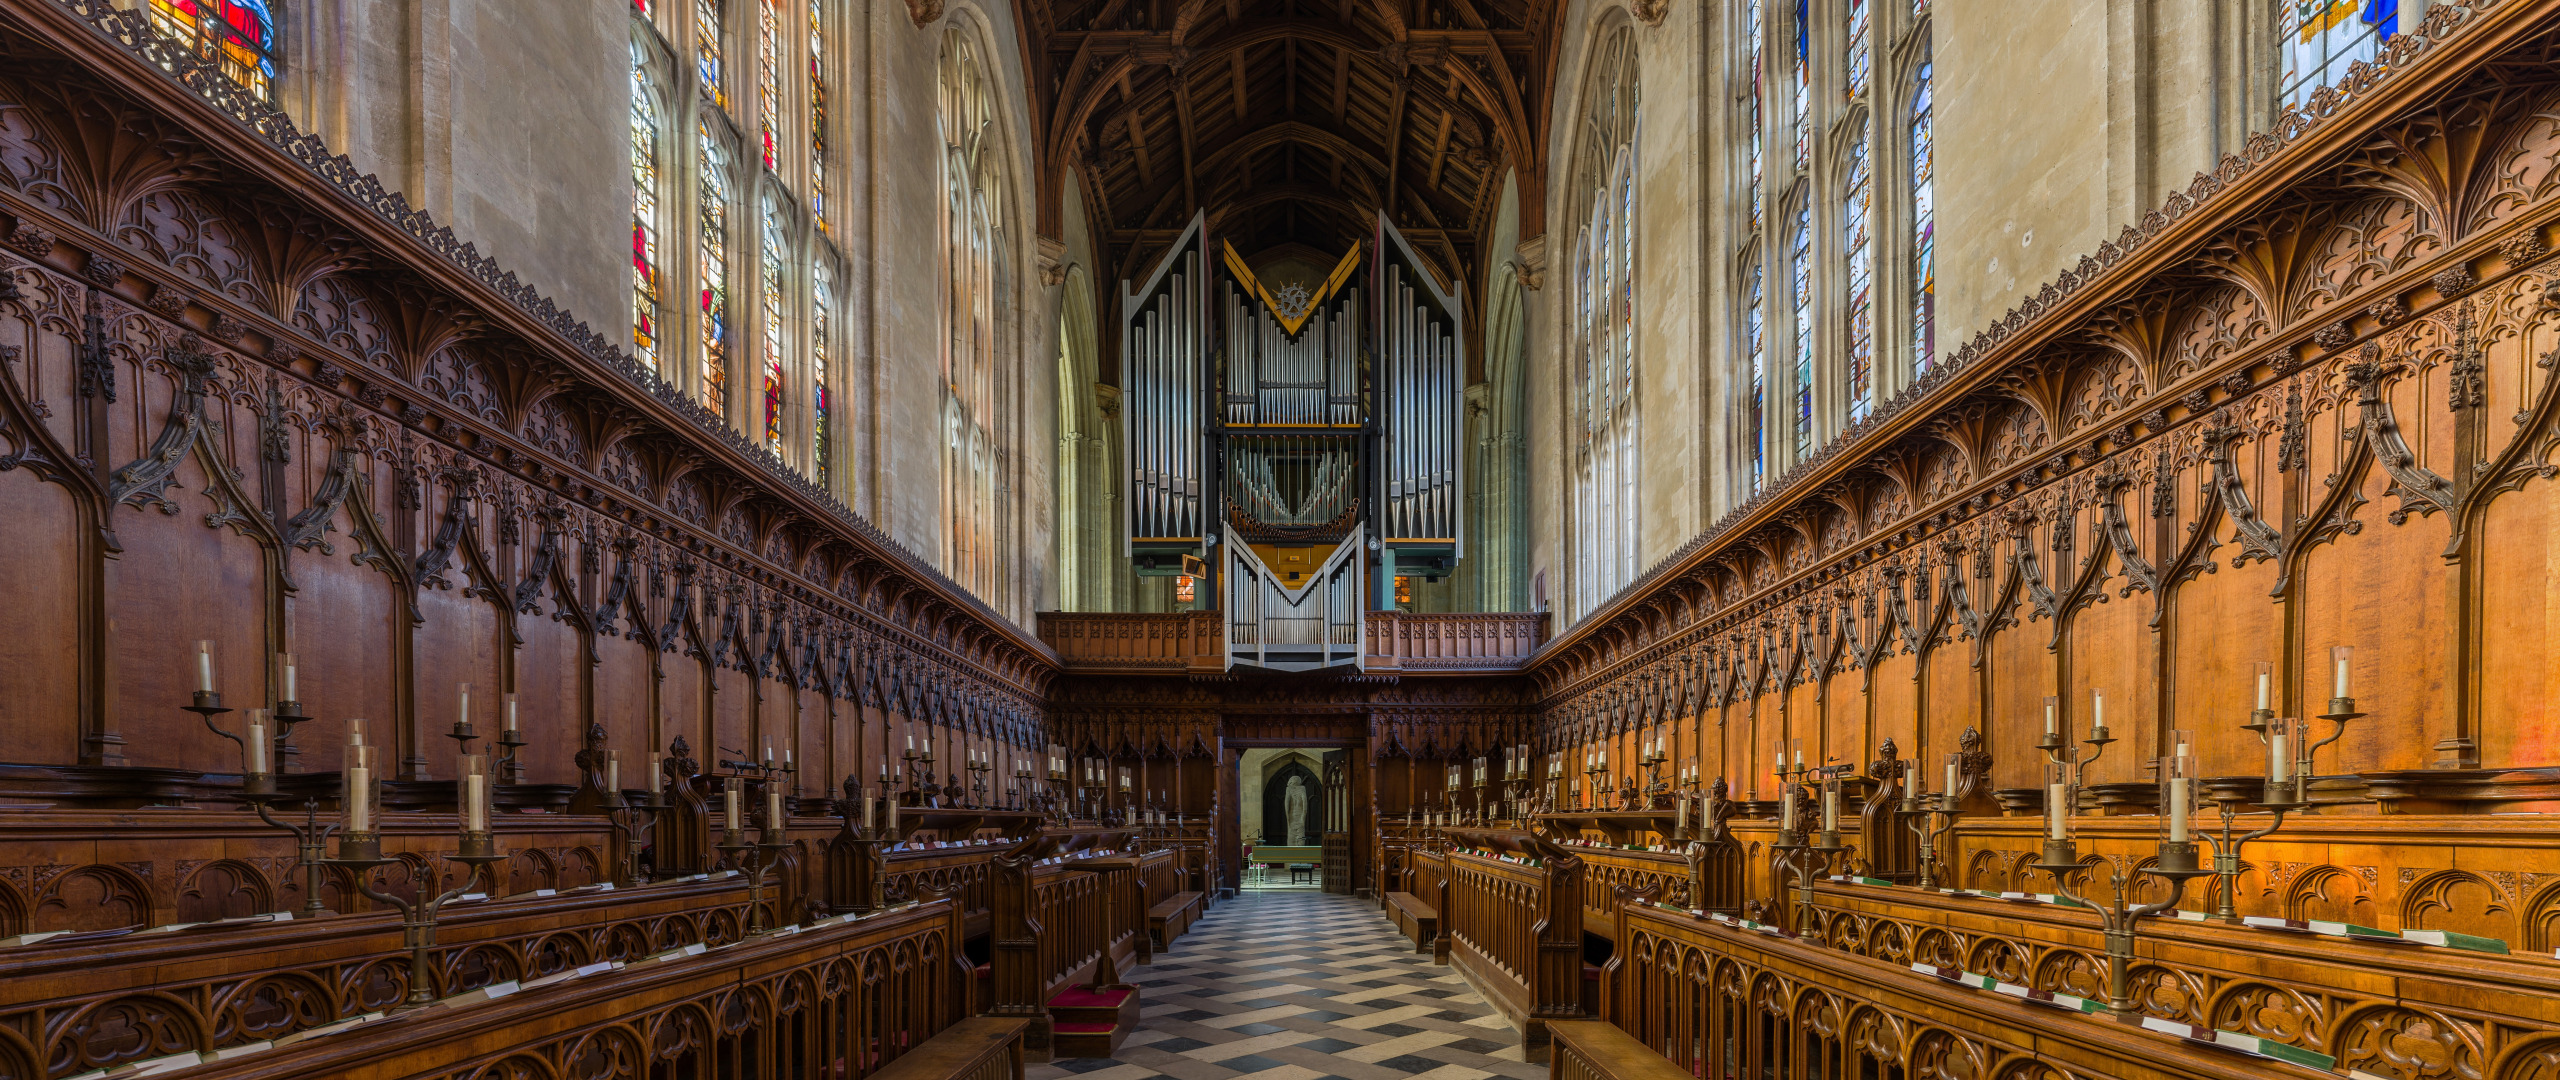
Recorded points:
(1289,817)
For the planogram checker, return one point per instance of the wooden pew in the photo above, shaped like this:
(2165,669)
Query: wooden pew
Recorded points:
(1170,903)
(1059,935)
(1597,1050)
(841,999)
(1724,1001)
(208,989)
(1515,928)
(1417,918)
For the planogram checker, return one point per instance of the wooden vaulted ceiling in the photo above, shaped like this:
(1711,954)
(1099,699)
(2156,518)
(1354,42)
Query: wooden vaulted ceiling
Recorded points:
(1290,122)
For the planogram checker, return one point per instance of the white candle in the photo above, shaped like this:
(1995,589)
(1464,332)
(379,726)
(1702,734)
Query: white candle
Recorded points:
(2263,680)
(657,774)
(511,714)
(2279,756)
(772,807)
(254,746)
(359,804)
(2054,810)
(475,814)
(893,814)
(729,799)
(2097,711)
(289,694)
(2178,810)
(2052,723)
(1684,813)
(786,758)
(2338,684)
(768,755)
(613,774)
(1831,809)
(204,666)
(866,813)
(1787,818)
(1950,790)
(462,715)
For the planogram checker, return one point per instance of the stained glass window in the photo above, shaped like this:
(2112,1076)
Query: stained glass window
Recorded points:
(707,54)
(769,278)
(768,85)
(1858,198)
(1606,462)
(1804,58)
(817,114)
(1800,268)
(238,35)
(1755,336)
(821,316)
(644,214)
(713,270)
(1858,63)
(973,247)
(2322,39)
(1755,317)
(1924,231)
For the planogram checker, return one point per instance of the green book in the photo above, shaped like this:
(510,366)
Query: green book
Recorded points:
(2449,939)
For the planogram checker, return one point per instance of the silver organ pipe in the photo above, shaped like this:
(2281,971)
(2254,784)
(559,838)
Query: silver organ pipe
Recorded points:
(1423,383)
(1165,334)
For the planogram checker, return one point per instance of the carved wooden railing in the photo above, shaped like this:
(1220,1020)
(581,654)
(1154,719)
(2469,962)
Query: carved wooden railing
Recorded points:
(101,1003)
(1455,642)
(844,999)
(1135,642)
(1726,1002)
(1515,929)
(1056,924)
(2380,1008)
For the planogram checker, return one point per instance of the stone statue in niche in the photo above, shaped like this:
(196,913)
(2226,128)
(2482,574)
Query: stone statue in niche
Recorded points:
(1297,803)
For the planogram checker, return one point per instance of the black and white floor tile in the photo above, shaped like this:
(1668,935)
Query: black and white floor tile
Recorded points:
(1298,985)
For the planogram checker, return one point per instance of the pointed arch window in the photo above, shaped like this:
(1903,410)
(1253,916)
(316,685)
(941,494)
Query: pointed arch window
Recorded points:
(1924,229)
(1756,265)
(239,36)
(769,277)
(645,294)
(1606,460)
(975,276)
(712,271)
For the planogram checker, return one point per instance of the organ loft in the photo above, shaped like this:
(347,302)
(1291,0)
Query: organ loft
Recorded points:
(1279,539)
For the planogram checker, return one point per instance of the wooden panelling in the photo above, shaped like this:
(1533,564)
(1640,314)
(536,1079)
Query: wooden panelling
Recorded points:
(246,400)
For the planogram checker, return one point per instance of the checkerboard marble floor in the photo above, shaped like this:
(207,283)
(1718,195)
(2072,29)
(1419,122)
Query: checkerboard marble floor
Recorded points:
(1288,985)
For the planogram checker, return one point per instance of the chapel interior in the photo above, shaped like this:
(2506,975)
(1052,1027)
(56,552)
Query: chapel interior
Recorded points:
(1280,539)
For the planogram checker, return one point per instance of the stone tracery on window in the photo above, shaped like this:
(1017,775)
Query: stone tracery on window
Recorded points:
(1606,457)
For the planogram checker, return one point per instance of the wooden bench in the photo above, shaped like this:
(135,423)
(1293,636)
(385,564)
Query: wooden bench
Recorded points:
(1172,916)
(1416,918)
(1597,1050)
(979,1048)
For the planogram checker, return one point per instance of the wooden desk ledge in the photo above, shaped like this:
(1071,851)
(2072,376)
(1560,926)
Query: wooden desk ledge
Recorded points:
(978,1048)
(1413,905)
(1173,905)
(1599,1050)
